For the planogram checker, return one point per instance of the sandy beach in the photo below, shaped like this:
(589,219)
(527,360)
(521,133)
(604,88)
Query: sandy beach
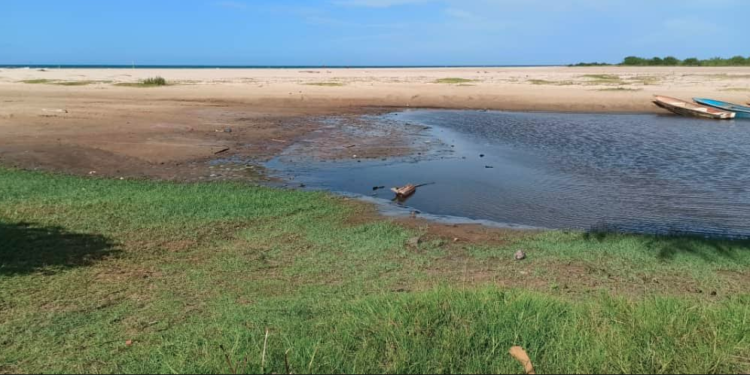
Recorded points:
(85,121)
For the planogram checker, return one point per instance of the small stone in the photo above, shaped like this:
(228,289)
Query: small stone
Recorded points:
(414,241)
(455,239)
(129,343)
(481,155)
(228,130)
(302,185)
(520,255)
(354,156)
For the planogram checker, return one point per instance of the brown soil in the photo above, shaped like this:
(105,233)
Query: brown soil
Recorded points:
(168,139)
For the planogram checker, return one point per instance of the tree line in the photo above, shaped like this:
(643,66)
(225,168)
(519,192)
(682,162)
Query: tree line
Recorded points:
(673,61)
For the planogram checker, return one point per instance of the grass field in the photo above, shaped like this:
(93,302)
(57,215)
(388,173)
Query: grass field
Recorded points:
(326,84)
(454,81)
(148,82)
(101,276)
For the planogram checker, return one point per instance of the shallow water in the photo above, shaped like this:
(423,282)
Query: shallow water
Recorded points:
(635,173)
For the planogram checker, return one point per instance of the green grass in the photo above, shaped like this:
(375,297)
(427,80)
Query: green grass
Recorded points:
(602,76)
(645,80)
(79,83)
(604,79)
(547,82)
(62,83)
(618,89)
(184,270)
(148,82)
(725,76)
(38,81)
(325,84)
(454,81)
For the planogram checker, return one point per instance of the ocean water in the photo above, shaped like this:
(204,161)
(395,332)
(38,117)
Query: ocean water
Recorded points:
(639,173)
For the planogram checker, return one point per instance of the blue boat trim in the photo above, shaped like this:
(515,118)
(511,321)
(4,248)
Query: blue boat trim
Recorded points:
(741,111)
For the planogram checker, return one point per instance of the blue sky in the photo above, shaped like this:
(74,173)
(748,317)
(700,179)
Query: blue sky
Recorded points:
(367,32)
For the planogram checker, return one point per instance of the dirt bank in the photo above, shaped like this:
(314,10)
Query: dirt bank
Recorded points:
(82,121)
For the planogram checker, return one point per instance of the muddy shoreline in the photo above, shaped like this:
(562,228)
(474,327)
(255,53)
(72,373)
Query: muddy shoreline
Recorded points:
(79,121)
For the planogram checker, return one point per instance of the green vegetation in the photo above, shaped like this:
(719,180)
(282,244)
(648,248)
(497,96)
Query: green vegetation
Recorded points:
(100,276)
(546,82)
(62,83)
(79,83)
(673,61)
(454,81)
(155,81)
(605,79)
(325,84)
(619,89)
(645,80)
(726,76)
(591,64)
(148,82)
(38,81)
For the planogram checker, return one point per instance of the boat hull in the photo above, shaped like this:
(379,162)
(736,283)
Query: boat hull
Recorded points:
(684,108)
(739,110)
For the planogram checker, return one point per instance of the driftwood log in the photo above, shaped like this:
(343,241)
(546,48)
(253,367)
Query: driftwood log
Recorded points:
(404,191)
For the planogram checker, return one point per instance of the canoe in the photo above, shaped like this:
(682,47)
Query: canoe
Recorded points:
(684,108)
(740,110)
(405,191)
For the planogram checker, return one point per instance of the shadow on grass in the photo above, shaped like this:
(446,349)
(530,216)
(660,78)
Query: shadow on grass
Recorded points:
(670,245)
(26,248)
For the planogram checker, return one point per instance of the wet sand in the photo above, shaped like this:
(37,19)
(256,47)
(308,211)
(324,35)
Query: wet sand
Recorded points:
(100,128)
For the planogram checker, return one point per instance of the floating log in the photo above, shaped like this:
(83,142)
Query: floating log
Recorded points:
(404,191)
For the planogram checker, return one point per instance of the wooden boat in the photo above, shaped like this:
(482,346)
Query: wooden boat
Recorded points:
(684,108)
(740,110)
(404,191)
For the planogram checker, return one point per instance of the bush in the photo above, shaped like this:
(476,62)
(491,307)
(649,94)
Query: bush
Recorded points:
(155,81)
(692,61)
